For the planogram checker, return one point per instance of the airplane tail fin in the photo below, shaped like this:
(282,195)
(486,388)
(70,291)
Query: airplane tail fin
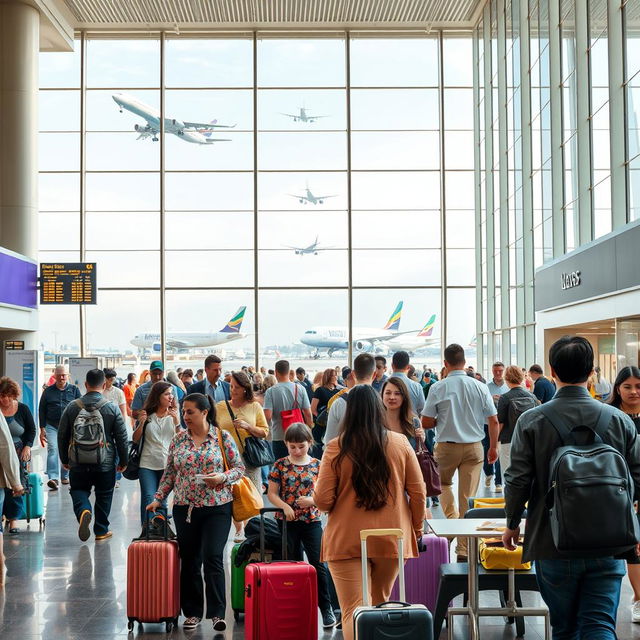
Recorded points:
(394,320)
(208,134)
(233,326)
(427,330)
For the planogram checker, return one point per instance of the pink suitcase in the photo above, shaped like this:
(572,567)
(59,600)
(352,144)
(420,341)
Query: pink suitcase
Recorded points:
(423,573)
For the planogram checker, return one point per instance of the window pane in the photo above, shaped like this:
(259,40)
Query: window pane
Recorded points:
(59,191)
(410,267)
(130,230)
(461,327)
(203,230)
(121,152)
(209,191)
(302,109)
(301,191)
(126,268)
(59,151)
(396,190)
(459,189)
(59,110)
(459,149)
(458,109)
(396,229)
(461,229)
(58,231)
(458,62)
(461,267)
(60,69)
(395,150)
(123,191)
(105,114)
(123,63)
(312,151)
(395,109)
(227,268)
(59,329)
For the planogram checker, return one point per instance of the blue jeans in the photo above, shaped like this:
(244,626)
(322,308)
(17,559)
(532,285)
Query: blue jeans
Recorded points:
(149,483)
(582,596)
(490,468)
(54,468)
(102,483)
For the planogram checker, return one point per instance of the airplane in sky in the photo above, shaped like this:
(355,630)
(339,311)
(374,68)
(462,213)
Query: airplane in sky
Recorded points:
(310,198)
(303,116)
(195,132)
(416,340)
(313,249)
(365,339)
(191,339)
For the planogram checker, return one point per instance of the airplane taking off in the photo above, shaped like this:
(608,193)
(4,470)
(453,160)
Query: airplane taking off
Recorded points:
(365,339)
(303,116)
(186,340)
(313,248)
(419,340)
(310,198)
(195,132)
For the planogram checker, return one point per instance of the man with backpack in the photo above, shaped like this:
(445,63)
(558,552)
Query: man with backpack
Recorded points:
(576,462)
(91,431)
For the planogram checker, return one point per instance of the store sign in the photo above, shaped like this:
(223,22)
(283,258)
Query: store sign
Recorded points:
(14,345)
(570,280)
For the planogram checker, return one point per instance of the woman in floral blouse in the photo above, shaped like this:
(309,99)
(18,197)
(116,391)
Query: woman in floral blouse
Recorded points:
(202,499)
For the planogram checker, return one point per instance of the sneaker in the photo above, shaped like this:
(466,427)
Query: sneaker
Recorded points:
(635,612)
(83,525)
(65,481)
(52,484)
(104,536)
(487,481)
(239,537)
(436,502)
(498,488)
(219,624)
(328,619)
(191,623)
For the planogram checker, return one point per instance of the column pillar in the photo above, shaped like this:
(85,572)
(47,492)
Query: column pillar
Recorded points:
(19,47)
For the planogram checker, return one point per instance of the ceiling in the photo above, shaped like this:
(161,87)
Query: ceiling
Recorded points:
(269,14)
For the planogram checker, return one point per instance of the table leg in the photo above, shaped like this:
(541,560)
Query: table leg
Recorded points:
(472,557)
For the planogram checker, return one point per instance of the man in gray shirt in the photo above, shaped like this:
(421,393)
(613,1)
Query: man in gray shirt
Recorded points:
(458,407)
(400,367)
(284,396)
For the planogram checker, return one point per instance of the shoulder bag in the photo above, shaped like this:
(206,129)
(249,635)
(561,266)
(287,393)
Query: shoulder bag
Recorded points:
(429,468)
(247,500)
(290,416)
(256,451)
(132,472)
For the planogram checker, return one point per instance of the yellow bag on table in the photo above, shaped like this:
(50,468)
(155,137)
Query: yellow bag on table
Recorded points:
(488,503)
(493,556)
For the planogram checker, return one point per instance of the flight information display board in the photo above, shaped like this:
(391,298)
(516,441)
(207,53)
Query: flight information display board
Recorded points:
(68,283)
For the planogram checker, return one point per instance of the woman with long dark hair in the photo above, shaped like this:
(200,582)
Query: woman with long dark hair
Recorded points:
(202,466)
(400,415)
(159,422)
(369,478)
(626,397)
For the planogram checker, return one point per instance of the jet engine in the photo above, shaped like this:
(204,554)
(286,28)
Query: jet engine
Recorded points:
(156,347)
(320,201)
(363,346)
(140,128)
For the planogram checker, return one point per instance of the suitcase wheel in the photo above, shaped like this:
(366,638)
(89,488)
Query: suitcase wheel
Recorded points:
(130,626)
(236,614)
(168,626)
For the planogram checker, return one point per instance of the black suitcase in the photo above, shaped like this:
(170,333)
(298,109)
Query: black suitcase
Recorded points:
(397,620)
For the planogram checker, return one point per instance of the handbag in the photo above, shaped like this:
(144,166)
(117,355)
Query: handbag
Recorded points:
(257,451)
(247,500)
(290,416)
(429,468)
(132,472)
(494,556)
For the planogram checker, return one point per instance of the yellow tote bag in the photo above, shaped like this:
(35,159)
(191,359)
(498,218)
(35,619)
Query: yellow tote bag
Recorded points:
(494,556)
(488,503)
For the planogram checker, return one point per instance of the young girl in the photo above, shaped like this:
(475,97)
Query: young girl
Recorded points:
(291,483)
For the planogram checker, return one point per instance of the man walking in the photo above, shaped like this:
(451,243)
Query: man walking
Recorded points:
(582,593)
(156,374)
(543,389)
(53,402)
(284,396)
(497,386)
(458,408)
(380,374)
(92,413)
(212,383)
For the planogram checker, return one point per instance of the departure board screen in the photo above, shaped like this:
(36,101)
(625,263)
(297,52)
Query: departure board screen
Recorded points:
(68,283)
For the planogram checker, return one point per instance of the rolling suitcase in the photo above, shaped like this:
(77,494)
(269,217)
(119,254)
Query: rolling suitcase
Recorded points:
(153,581)
(397,620)
(34,498)
(422,574)
(237,579)
(281,598)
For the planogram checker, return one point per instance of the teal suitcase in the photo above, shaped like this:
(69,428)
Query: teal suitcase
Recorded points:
(34,498)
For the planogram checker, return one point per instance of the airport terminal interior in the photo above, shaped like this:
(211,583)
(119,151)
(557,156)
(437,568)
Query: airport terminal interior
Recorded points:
(304,180)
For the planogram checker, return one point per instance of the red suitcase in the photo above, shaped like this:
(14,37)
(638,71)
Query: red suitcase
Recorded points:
(153,581)
(281,598)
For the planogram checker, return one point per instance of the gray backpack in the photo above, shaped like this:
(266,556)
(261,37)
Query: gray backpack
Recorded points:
(88,439)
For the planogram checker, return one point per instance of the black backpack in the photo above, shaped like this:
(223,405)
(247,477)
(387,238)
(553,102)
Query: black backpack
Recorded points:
(518,406)
(590,496)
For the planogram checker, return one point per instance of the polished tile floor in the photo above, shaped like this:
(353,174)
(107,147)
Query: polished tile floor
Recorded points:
(59,588)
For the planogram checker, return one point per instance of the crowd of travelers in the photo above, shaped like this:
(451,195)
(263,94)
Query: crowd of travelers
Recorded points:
(350,453)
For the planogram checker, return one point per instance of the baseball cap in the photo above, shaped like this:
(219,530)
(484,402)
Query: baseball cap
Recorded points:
(156,364)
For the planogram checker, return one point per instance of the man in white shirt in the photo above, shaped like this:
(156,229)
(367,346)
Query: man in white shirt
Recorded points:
(458,408)
(400,367)
(364,369)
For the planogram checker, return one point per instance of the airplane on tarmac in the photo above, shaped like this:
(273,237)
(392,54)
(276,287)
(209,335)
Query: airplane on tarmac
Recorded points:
(365,340)
(312,249)
(190,339)
(310,198)
(195,132)
(412,342)
(303,116)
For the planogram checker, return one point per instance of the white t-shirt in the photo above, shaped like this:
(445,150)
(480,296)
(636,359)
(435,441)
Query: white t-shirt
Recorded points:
(157,438)
(114,395)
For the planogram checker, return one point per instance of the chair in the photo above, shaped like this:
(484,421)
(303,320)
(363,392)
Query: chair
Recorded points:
(454,581)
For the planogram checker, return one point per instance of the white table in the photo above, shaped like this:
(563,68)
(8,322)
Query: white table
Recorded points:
(490,528)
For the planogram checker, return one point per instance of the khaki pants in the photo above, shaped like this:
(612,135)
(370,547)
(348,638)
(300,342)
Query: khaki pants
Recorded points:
(467,460)
(347,578)
(505,456)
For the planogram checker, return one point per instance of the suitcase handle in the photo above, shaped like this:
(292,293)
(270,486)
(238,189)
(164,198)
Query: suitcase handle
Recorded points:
(395,603)
(367,533)
(165,528)
(284,532)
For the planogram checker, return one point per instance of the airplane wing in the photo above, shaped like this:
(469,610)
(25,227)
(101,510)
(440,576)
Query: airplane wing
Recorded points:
(208,126)
(324,197)
(290,115)
(288,246)
(295,195)
(385,338)
(210,140)
(179,344)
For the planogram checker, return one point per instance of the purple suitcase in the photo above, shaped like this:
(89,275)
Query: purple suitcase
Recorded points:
(423,573)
